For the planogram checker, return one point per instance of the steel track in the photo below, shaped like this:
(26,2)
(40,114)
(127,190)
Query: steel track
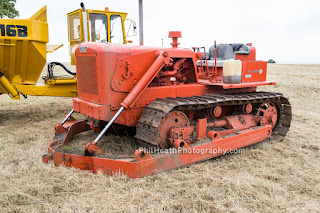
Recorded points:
(148,124)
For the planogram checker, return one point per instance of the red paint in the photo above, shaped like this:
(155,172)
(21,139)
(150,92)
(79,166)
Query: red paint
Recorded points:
(254,71)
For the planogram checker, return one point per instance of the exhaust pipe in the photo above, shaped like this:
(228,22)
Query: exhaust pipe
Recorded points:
(85,22)
(141,22)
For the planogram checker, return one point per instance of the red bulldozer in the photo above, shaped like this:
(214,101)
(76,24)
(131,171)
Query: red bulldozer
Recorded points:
(187,104)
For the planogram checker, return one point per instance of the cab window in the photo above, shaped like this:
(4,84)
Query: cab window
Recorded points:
(116,33)
(74,26)
(98,24)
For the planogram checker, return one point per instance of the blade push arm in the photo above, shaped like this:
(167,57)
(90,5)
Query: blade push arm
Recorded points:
(143,83)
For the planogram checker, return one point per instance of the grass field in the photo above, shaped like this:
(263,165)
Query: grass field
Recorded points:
(267,177)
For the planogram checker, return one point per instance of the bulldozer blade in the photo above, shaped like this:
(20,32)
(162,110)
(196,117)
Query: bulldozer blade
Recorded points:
(143,162)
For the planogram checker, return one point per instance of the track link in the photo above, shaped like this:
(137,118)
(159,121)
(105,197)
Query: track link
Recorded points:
(147,126)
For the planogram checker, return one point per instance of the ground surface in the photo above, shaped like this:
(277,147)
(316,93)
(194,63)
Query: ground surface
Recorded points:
(270,176)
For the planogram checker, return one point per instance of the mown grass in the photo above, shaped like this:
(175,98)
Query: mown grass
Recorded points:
(270,176)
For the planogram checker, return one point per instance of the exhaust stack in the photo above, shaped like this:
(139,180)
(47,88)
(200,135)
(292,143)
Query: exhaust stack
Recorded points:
(85,22)
(141,22)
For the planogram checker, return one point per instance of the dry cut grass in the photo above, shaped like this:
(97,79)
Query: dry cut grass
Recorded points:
(269,176)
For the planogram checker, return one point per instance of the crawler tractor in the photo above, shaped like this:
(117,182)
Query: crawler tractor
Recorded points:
(185,103)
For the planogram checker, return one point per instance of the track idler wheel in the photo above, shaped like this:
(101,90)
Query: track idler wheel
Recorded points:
(268,113)
(172,120)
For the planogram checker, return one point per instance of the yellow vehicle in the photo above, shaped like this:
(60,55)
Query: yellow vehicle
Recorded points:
(23,49)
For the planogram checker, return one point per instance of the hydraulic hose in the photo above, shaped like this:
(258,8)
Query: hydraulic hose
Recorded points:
(53,64)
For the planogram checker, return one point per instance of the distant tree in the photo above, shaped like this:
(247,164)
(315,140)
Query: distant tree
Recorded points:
(7,9)
(271,61)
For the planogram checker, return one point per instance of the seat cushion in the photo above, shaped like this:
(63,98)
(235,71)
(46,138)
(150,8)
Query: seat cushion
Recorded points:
(228,51)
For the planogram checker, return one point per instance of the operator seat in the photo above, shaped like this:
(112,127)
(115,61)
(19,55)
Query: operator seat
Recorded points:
(224,52)
(228,51)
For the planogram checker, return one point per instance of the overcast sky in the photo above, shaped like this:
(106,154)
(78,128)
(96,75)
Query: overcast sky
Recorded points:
(286,31)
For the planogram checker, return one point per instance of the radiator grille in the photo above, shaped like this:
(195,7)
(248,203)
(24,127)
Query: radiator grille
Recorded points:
(87,74)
